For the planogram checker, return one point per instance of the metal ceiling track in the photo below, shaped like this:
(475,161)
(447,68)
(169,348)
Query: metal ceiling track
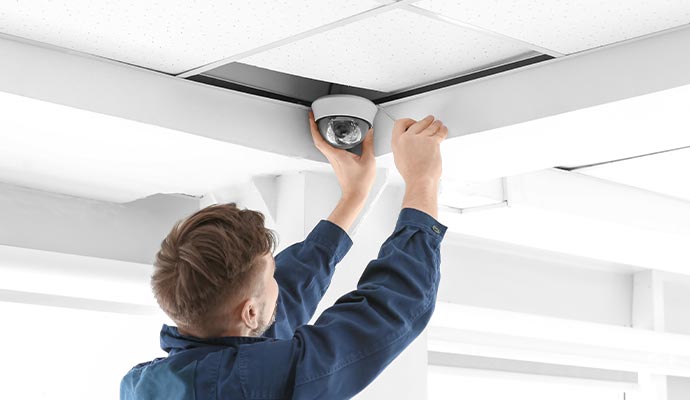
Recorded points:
(299,90)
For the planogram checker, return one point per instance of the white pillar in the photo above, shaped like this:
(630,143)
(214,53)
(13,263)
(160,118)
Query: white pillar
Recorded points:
(648,313)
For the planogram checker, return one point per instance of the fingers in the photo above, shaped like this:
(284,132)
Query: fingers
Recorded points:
(442,134)
(402,124)
(319,141)
(326,149)
(368,144)
(432,129)
(420,125)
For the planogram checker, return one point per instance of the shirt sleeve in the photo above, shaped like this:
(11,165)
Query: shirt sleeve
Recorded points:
(355,339)
(303,272)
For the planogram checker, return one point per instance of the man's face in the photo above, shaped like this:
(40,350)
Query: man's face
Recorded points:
(269,297)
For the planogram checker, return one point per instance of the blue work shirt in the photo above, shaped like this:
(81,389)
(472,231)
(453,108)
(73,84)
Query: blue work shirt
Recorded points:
(336,357)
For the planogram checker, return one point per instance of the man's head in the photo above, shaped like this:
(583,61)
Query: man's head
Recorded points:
(213,275)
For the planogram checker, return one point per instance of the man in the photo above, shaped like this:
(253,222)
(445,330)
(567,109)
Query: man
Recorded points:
(241,315)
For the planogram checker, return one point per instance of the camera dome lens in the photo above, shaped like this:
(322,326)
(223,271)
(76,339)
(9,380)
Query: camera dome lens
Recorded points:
(343,132)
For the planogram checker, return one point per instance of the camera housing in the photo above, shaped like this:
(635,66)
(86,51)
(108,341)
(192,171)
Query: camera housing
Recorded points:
(344,119)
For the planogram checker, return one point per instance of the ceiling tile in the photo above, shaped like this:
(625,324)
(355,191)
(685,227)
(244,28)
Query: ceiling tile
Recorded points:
(173,35)
(666,173)
(567,26)
(390,51)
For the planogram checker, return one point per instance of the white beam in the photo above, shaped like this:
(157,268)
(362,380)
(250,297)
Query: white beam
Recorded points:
(565,84)
(576,214)
(543,376)
(568,83)
(575,110)
(257,193)
(502,334)
(74,281)
(52,74)
(51,300)
(48,221)
(586,196)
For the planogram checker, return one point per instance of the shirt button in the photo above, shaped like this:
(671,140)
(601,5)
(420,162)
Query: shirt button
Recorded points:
(435,229)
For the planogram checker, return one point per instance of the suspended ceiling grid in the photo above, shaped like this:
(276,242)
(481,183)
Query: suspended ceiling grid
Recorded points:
(369,47)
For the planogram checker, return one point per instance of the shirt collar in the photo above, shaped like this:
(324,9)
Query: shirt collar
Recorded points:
(173,341)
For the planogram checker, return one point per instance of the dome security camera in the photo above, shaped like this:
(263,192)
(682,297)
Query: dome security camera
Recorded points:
(343,119)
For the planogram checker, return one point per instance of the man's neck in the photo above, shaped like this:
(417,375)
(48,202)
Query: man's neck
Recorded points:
(191,331)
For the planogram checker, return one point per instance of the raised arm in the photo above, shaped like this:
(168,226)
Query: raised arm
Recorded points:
(303,273)
(304,270)
(355,339)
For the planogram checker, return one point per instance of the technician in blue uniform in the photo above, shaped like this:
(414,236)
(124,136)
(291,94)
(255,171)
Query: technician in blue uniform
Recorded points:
(241,315)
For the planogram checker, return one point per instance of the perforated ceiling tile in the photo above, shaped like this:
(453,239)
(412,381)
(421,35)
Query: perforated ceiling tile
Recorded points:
(667,173)
(173,35)
(390,51)
(564,25)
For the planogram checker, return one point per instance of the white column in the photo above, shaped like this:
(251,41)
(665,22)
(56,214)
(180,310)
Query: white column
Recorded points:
(648,313)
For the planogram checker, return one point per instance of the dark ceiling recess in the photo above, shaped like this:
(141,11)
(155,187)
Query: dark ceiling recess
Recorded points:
(299,90)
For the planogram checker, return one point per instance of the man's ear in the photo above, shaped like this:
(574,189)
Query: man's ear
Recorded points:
(250,314)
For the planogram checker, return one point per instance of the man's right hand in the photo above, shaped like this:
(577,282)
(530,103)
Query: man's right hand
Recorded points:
(416,149)
(417,153)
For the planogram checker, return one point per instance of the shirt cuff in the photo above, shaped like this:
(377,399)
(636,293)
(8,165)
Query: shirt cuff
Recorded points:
(332,236)
(420,219)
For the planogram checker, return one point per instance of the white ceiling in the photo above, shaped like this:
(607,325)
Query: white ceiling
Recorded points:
(76,152)
(172,35)
(390,51)
(667,173)
(407,45)
(567,26)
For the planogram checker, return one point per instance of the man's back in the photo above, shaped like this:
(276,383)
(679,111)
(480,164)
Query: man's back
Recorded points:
(351,342)
(346,348)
